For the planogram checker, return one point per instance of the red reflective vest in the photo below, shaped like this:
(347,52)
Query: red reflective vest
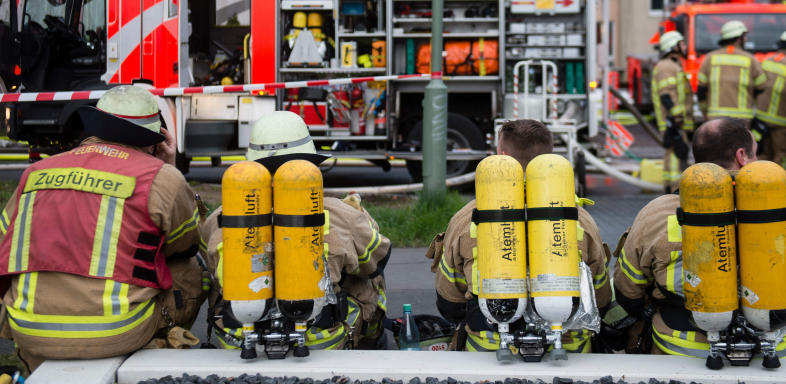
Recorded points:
(85,212)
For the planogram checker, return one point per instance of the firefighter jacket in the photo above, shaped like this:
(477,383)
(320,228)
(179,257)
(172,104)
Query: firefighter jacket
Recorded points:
(650,260)
(771,104)
(732,78)
(453,256)
(90,240)
(670,82)
(356,257)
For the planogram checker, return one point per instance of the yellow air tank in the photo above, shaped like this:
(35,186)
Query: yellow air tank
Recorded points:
(552,241)
(298,219)
(502,258)
(247,236)
(708,245)
(315,25)
(761,209)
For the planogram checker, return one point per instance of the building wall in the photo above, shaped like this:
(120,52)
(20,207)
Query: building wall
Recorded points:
(634,25)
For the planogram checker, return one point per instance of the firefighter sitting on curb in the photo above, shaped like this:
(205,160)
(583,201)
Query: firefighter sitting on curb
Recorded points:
(453,252)
(672,97)
(357,252)
(99,242)
(771,107)
(648,275)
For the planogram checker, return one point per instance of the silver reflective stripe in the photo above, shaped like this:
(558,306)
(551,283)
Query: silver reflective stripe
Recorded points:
(25,292)
(20,234)
(116,288)
(678,276)
(352,313)
(475,345)
(106,238)
(670,347)
(83,327)
(272,147)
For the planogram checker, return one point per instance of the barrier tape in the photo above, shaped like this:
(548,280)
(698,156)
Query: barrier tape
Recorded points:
(211,89)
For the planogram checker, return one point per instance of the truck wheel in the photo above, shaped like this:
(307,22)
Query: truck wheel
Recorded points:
(182,163)
(462,134)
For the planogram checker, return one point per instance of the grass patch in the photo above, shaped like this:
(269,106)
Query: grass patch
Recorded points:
(6,189)
(414,221)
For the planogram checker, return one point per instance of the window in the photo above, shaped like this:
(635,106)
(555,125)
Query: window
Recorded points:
(233,13)
(656,8)
(171,8)
(37,10)
(5,12)
(764,29)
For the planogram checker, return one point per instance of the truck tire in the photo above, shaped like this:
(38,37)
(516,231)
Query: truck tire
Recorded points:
(462,133)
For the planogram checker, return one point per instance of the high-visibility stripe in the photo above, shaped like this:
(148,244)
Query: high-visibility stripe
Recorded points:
(600,280)
(382,300)
(759,80)
(672,172)
(703,78)
(742,94)
(730,112)
(776,69)
(715,87)
(4,222)
(25,292)
(107,233)
(326,227)
(220,266)
(20,244)
(666,82)
(674,273)
(629,270)
(324,339)
(578,341)
(451,274)
(353,312)
(187,226)
(485,341)
(69,327)
(202,246)
(579,231)
(732,60)
(674,229)
(482,60)
(660,120)
(115,298)
(680,345)
(371,247)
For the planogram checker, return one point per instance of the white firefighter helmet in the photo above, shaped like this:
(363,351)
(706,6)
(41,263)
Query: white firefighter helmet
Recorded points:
(733,29)
(669,40)
(280,136)
(125,114)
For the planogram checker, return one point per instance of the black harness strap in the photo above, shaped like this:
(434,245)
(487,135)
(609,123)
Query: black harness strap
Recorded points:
(705,219)
(299,221)
(552,213)
(498,215)
(245,221)
(761,216)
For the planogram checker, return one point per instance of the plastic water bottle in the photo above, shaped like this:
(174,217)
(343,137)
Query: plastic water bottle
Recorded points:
(408,336)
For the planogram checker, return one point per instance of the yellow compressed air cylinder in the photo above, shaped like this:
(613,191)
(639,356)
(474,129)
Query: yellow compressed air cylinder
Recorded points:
(708,245)
(552,238)
(247,239)
(502,258)
(298,219)
(761,199)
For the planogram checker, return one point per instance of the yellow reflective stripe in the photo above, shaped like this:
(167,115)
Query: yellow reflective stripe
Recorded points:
(326,227)
(674,273)
(730,112)
(733,60)
(25,292)
(674,229)
(703,78)
(482,61)
(473,231)
(666,82)
(579,231)
(578,341)
(202,246)
(453,275)
(115,298)
(382,300)
(715,87)
(600,280)
(220,267)
(677,109)
(629,270)
(107,233)
(324,339)
(4,222)
(353,312)
(659,118)
(81,327)
(773,67)
(675,345)
(483,342)
(372,245)
(742,95)
(20,243)
(672,172)
(81,179)
(187,226)
(759,80)
(775,100)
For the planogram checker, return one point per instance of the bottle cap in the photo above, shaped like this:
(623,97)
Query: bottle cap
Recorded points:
(407,307)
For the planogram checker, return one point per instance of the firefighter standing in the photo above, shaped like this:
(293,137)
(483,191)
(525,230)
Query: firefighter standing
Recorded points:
(672,97)
(98,242)
(729,77)
(453,252)
(648,276)
(771,106)
(356,252)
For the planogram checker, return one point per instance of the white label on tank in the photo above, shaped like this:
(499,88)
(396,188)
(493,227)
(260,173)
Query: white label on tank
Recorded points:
(692,279)
(550,282)
(259,262)
(749,295)
(260,283)
(494,286)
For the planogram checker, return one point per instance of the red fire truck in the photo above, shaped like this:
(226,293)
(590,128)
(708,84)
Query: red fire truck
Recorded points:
(701,24)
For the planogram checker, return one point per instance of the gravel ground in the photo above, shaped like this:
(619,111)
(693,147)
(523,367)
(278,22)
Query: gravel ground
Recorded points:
(259,379)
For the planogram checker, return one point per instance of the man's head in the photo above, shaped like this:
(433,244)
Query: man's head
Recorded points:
(733,32)
(672,41)
(278,137)
(524,139)
(125,114)
(725,142)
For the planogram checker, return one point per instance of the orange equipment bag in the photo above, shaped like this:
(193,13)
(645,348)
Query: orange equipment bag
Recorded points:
(464,58)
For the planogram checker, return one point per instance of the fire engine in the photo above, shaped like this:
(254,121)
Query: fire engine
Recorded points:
(502,59)
(701,24)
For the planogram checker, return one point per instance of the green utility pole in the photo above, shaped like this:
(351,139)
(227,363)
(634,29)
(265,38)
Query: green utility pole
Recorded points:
(435,112)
